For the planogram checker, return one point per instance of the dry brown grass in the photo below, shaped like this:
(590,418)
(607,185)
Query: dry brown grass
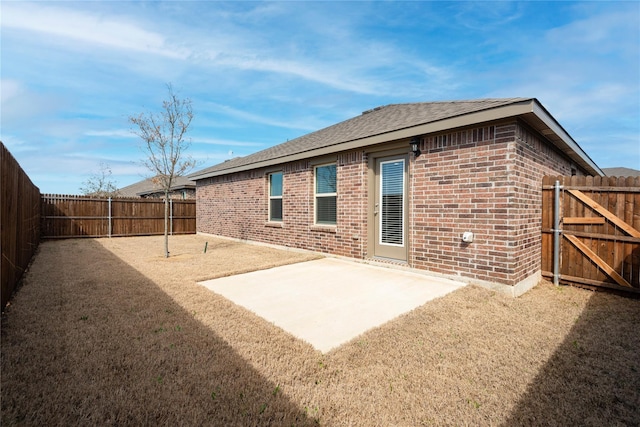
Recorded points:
(108,332)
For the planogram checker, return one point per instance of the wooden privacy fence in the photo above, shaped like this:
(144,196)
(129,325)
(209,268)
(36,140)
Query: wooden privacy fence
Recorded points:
(81,216)
(594,225)
(19,222)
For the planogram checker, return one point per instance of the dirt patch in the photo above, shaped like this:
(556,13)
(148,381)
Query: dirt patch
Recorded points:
(107,331)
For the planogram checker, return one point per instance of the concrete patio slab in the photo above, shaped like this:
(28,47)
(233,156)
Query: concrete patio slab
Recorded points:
(328,302)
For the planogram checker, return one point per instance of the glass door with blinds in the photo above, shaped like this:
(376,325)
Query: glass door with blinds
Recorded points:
(390,208)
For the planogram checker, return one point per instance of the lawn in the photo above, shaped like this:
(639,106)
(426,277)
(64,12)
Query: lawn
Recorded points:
(107,331)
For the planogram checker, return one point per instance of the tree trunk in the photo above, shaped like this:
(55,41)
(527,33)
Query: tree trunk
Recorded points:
(166,224)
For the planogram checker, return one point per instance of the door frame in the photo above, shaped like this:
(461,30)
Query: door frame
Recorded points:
(372,177)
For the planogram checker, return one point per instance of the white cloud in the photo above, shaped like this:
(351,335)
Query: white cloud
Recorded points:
(606,150)
(579,103)
(19,104)
(113,133)
(601,32)
(352,64)
(487,16)
(582,70)
(10,89)
(16,144)
(86,28)
(306,69)
(225,142)
(319,47)
(256,118)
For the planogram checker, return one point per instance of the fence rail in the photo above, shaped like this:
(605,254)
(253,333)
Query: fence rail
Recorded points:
(65,216)
(19,222)
(597,231)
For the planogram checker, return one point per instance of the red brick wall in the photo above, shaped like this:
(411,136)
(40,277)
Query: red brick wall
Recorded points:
(236,206)
(533,160)
(486,180)
(233,205)
(461,183)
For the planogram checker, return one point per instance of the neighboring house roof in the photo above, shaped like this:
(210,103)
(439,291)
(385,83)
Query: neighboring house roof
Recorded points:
(147,186)
(621,172)
(396,121)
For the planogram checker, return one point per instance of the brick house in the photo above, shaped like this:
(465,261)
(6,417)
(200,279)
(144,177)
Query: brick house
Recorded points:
(182,189)
(356,189)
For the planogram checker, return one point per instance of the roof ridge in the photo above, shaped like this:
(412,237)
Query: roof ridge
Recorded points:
(457,101)
(452,101)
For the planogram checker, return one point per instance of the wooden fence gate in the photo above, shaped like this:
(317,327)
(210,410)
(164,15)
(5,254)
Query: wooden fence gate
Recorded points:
(594,225)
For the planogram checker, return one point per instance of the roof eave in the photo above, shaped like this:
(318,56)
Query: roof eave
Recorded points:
(554,132)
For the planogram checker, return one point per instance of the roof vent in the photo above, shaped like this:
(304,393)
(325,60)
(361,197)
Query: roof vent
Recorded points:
(373,109)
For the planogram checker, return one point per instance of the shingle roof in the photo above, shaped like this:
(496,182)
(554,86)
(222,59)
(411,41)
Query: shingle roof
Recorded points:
(393,118)
(372,122)
(147,186)
(621,172)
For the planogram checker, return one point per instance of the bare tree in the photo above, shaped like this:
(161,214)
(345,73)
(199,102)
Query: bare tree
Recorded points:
(164,143)
(100,184)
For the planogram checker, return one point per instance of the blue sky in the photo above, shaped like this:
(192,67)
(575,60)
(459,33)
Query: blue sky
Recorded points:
(261,73)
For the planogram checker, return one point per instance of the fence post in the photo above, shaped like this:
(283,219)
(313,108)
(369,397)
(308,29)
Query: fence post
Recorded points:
(109,220)
(556,233)
(171,214)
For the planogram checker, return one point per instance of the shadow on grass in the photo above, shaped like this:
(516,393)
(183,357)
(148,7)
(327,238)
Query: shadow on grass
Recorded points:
(88,340)
(593,379)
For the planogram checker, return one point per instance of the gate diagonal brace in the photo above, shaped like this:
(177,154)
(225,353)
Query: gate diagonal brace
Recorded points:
(599,261)
(604,212)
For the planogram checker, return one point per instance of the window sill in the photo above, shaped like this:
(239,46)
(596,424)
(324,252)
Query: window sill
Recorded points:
(273,224)
(324,228)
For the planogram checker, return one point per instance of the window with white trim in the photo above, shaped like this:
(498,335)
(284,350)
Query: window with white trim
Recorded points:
(275,196)
(325,194)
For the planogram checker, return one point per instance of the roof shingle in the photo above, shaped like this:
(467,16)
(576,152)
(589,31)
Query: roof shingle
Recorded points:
(147,186)
(373,122)
(621,172)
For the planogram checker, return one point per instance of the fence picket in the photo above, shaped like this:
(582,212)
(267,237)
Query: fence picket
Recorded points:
(19,222)
(65,216)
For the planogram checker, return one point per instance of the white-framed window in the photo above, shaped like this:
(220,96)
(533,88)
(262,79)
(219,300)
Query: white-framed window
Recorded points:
(325,192)
(275,196)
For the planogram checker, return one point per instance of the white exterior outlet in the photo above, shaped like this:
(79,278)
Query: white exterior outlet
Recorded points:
(467,237)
